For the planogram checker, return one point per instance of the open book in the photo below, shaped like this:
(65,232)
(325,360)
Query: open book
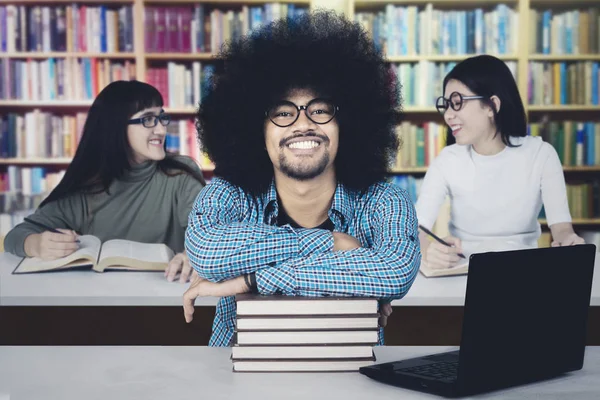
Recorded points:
(112,254)
(463,267)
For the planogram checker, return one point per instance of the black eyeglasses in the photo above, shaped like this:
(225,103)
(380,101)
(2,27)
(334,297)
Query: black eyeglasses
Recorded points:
(455,101)
(150,121)
(286,113)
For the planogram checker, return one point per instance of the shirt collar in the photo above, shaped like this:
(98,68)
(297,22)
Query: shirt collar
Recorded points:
(340,213)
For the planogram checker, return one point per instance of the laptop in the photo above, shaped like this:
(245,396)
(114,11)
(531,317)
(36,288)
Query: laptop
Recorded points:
(525,320)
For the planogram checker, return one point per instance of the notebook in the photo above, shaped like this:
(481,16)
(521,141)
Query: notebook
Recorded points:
(463,267)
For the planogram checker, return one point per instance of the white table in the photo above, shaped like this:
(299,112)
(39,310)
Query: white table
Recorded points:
(87,288)
(65,373)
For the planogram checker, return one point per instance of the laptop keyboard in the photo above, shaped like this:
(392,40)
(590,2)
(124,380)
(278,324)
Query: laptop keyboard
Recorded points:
(439,370)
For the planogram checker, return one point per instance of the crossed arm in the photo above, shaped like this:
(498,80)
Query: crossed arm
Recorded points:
(300,261)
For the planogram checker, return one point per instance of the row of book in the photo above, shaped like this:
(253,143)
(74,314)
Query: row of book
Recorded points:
(567,32)
(408,30)
(29,181)
(204,29)
(180,85)
(304,334)
(60,79)
(421,82)
(577,143)
(564,83)
(43,135)
(66,28)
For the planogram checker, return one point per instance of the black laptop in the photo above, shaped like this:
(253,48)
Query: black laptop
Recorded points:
(525,319)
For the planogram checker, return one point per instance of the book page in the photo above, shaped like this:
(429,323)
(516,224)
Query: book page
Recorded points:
(135,255)
(89,248)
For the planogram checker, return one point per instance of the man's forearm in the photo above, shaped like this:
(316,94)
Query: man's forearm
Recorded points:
(226,252)
(361,272)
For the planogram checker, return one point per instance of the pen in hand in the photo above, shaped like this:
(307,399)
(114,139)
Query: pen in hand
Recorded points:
(46,227)
(427,231)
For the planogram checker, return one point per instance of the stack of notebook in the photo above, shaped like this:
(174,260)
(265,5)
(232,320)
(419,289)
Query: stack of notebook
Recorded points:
(284,333)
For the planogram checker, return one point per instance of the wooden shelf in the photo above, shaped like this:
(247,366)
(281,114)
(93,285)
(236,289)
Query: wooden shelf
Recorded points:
(46,103)
(564,57)
(563,3)
(35,161)
(583,168)
(50,2)
(578,221)
(441,58)
(453,3)
(180,56)
(235,2)
(181,110)
(408,170)
(563,107)
(63,54)
(60,161)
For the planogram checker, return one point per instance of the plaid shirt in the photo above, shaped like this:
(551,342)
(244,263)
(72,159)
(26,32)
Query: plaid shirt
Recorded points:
(231,233)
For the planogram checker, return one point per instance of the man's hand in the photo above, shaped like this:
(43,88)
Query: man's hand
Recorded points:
(203,288)
(385,310)
(343,241)
(179,263)
(50,246)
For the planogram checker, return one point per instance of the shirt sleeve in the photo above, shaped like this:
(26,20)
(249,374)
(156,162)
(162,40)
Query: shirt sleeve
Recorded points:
(554,190)
(66,213)
(220,247)
(189,190)
(387,269)
(432,194)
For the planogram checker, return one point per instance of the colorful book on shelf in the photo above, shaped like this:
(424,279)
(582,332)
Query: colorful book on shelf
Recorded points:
(111,255)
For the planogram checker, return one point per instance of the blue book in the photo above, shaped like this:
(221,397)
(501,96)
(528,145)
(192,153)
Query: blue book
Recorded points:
(103,47)
(563,83)
(546,31)
(590,142)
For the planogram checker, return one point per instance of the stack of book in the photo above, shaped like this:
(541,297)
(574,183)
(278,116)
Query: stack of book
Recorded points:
(304,334)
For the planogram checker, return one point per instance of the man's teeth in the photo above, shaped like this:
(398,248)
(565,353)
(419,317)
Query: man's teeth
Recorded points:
(156,141)
(308,144)
(455,127)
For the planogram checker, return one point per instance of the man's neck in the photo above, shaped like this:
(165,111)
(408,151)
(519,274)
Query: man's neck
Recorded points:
(306,202)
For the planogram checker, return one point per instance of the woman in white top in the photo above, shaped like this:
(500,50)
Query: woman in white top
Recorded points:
(497,178)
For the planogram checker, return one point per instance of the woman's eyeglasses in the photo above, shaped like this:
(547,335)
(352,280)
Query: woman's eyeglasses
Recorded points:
(150,121)
(455,102)
(286,113)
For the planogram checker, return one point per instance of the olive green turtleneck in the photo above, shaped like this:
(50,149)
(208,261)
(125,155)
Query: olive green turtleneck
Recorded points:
(145,205)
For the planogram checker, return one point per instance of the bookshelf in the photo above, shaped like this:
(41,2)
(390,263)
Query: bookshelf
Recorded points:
(145,61)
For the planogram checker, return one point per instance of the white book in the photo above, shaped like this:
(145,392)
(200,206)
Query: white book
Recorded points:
(301,366)
(307,337)
(299,352)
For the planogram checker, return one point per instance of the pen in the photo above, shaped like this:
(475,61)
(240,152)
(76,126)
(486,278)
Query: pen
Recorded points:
(46,227)
(427,231)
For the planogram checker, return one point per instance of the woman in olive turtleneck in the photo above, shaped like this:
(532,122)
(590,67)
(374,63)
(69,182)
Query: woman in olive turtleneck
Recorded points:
(121,183)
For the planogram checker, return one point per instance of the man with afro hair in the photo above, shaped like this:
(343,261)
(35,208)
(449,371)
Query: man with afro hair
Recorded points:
(299,121)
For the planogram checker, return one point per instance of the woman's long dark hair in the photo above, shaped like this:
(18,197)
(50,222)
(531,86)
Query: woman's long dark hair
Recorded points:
(104,153)
(489,76)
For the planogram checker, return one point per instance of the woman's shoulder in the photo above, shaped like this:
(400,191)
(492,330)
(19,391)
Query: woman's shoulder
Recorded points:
(531,145)
(451,154)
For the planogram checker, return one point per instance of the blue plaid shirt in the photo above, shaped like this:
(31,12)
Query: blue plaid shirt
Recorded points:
(231,233)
